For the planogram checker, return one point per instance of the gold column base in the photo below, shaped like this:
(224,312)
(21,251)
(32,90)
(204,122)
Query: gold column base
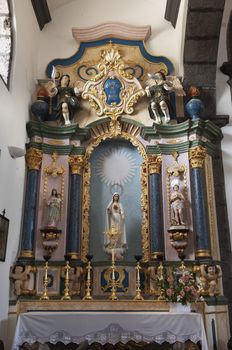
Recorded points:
(157,255)
(74,256)
(27,254)
(203,253)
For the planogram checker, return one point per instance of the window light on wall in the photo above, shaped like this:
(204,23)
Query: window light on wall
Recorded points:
(5,41)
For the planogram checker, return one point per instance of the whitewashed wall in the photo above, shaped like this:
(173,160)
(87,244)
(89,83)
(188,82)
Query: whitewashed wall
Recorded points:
(224,106)
(13,116)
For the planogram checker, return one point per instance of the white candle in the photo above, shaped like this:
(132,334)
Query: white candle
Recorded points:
(112,255)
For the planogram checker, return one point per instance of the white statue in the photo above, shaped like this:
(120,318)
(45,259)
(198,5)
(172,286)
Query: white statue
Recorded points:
(177,202)
(115,219)
(158,89)
(21,276)
(209,279)
(54,208)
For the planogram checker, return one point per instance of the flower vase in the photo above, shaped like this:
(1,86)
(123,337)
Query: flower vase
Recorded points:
(178,307)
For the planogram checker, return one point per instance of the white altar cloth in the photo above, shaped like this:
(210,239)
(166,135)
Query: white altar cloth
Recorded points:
(109,327)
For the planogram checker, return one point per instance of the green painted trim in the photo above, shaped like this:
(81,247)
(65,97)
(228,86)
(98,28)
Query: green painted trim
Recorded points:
(218,300)
(199,127)
(60,150)
(40,129)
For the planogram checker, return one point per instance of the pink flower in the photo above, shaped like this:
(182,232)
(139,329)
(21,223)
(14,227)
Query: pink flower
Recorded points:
(169,292)
(186,288)
(182,293)
(185,278)
(170,279)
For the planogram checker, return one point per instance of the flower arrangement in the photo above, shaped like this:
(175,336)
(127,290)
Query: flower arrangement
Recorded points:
(181,288)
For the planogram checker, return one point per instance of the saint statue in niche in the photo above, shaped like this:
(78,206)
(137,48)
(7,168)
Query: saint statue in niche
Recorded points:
(177,201)
(115,224)
(54,208)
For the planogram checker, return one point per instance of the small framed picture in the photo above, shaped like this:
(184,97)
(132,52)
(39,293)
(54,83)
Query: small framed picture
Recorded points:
(4,225)
(53,286)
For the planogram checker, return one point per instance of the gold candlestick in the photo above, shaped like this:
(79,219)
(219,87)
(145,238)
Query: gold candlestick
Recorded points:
(113,295)
(45,291)
(66,295)
(88,295)
(161,281)
(138,295)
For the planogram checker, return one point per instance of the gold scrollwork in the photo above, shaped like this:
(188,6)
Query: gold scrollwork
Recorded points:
(112,66)
(34,158)
(197,156)
(76,163)
(86,188)
(154,163)
(118,282)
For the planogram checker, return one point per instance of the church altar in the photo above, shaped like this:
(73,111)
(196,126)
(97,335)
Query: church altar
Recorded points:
(109,327)
(119,210)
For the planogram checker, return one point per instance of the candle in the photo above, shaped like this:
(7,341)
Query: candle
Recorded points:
(112,255)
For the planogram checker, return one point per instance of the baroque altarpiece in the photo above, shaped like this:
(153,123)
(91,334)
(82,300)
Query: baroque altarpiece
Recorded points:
(119,187)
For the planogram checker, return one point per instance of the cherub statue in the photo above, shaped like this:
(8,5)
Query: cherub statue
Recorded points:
(209,279)
(68,102)
(20,275)
(158,88)
(75,275)
(177,202)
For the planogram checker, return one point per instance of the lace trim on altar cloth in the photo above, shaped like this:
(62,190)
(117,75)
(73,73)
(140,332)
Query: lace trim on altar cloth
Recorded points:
(112,334)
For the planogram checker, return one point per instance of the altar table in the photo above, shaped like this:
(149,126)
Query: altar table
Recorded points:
(109,327)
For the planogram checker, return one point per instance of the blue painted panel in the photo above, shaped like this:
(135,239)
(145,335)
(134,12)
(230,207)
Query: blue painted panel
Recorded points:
(125,281)
(115,167)
(156,214)
(112,88)
(200,209)
(28,233)
(74,224)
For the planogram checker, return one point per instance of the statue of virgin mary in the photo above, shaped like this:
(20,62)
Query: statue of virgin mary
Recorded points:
(115,220)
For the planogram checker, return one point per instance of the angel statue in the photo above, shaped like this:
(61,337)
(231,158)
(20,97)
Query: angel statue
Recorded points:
(158,89)
(68,102)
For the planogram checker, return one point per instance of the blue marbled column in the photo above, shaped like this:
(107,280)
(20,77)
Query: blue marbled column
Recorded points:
(28,232)
(156,216)
(200,213)
(74,223)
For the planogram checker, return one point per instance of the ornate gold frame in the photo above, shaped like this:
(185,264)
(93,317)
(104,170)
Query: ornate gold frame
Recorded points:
(112,133)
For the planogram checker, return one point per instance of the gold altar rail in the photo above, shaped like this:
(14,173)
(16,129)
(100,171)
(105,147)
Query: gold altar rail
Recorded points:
(91,305)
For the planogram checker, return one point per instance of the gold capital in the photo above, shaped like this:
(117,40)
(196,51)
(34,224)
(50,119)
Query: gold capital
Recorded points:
(154,164)
(76,163)
(34,158)
(197,156)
